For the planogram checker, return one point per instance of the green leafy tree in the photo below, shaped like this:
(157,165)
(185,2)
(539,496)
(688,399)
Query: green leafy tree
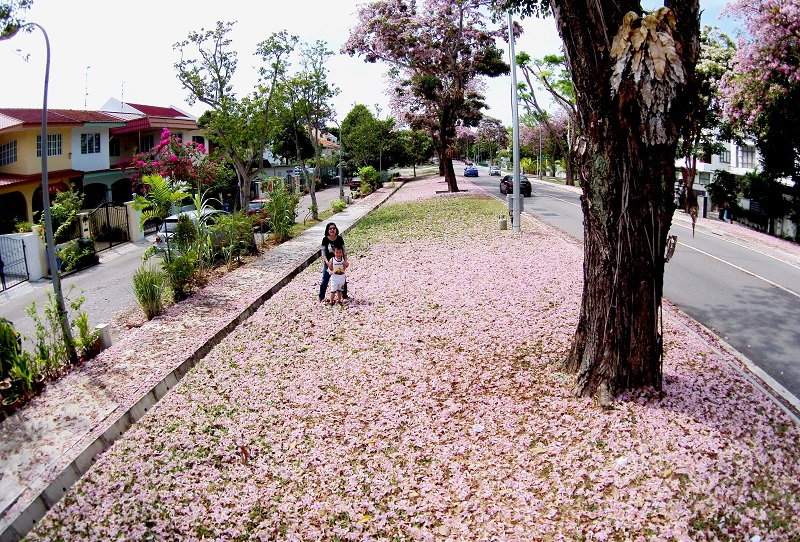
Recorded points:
(240,127)
(702,134)
(552,74)
(11,16)
(419,147)
(309,94)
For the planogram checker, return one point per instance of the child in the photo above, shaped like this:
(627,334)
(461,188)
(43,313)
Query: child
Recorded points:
(336,267)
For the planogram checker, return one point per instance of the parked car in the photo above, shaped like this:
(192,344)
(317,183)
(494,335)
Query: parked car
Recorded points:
(258,211)
(167,229)
(467,162)
(355,183)
(507,185)
(494,171)
(470,171)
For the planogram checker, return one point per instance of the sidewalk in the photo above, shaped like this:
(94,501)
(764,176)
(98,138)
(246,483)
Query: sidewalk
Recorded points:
(47,445)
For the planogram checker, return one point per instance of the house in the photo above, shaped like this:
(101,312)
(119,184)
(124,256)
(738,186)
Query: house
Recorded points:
(738,160)
(85,150)
(77,143)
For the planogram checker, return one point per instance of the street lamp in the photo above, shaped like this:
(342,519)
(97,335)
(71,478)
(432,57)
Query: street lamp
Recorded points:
(517,196)
(341,149)
(48,223)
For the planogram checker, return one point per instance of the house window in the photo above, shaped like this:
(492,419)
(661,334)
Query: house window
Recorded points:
(725,156)
(147,143)
(179,136)
(8,153)
(748,157)
(200,140)
(53,145)
(113,147)
(704,178)
(90,143)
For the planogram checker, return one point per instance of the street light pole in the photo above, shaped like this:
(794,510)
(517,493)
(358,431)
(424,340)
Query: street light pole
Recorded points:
(48,222)
(517,195)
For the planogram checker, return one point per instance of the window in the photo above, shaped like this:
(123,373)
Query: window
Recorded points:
(113,147)
(53,145)
(147,143)
(8,153)
(705,178)
(90,143)
(748,157)
(725,156)
(200,140)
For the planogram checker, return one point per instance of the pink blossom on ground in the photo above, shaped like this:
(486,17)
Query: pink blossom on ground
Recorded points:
(431,407)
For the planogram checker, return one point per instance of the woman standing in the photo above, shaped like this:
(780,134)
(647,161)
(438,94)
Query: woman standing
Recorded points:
(331,240)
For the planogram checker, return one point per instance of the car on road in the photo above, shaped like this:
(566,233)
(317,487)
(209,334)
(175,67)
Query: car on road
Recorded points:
(507,185)
(207,219)
(467,162)
(494,171)
(470,171)
(355,183)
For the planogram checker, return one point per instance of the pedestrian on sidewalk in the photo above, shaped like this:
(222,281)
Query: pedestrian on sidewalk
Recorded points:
(336,267)
(331,240)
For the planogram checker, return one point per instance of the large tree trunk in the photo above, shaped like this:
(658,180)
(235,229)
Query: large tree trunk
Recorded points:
(630,111)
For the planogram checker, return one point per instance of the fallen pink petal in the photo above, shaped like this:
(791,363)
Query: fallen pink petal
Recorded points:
(430,406)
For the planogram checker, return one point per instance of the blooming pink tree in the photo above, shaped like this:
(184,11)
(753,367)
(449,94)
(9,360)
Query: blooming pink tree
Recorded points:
(436,50)
(767,63)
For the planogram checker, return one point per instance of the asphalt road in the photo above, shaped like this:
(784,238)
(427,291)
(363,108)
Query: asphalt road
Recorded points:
(747,297)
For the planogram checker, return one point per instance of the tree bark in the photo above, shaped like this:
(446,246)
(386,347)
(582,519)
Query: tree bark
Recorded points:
(625,161)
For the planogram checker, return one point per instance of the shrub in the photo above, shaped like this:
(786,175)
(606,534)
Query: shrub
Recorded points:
(281,209)
(337,206)
(236,232)
(78,254)
(149,284)
(180,269)
(370,179)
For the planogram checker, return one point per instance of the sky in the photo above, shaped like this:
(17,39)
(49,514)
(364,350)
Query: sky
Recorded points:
(102,50)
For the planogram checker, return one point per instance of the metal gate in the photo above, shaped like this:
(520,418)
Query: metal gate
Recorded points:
(13,265)
(108,225)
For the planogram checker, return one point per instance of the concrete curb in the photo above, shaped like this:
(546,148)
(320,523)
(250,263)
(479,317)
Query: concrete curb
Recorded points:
(16,528)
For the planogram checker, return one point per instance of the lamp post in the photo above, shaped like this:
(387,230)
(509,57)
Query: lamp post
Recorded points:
(517,195)
(341,150)
(48,223)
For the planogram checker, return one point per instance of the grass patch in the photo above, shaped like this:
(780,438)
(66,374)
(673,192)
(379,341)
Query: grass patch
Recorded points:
(410,221)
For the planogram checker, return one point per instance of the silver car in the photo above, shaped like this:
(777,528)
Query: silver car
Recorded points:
(167,229)
(494,170)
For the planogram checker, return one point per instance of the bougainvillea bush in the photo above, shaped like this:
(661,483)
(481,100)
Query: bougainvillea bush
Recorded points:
(430,407)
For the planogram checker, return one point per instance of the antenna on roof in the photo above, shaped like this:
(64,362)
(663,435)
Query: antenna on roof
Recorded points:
(122,98)
(86,88)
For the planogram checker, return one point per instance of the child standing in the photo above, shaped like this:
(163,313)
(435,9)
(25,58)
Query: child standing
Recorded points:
(336,268)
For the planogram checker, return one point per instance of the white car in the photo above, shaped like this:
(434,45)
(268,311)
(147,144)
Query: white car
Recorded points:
(494,170)
(167,228)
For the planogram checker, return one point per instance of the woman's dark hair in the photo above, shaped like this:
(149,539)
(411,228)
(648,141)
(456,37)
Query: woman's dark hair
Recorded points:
(328,227)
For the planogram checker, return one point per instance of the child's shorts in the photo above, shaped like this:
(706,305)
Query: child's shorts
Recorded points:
(336,287)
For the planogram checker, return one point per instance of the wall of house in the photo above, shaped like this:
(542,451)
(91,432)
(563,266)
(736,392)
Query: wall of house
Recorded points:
(89,161)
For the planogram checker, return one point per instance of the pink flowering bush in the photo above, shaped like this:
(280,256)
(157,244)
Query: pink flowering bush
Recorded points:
(431,407)
(181,162)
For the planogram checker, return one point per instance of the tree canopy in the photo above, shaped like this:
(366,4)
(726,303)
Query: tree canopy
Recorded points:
(437,52)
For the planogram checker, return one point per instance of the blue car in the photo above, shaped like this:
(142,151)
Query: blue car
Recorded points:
(470,171)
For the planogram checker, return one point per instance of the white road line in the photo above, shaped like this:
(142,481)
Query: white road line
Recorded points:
(717,236)
(743,270)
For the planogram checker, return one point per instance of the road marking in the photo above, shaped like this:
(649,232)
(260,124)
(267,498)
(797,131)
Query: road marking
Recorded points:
(743,270)
(716,236)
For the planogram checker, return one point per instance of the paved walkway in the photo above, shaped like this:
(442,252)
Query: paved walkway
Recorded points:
(51,442)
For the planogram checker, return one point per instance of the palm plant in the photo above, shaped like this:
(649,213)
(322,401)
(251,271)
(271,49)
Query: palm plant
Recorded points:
(160,196)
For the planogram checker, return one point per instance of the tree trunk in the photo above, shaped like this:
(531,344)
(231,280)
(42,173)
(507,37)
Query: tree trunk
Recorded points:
(630,114)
